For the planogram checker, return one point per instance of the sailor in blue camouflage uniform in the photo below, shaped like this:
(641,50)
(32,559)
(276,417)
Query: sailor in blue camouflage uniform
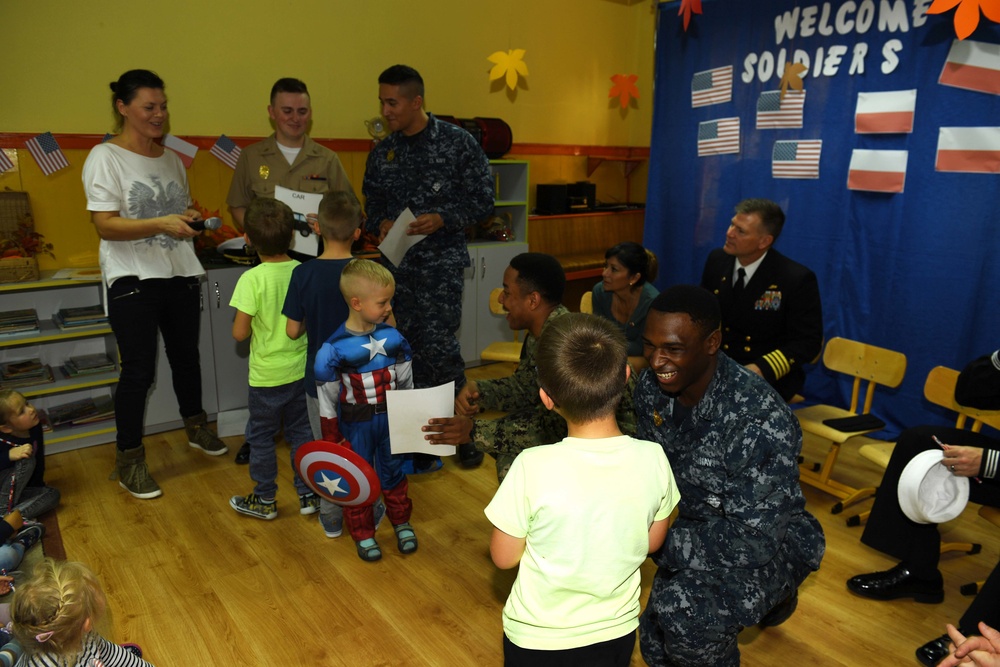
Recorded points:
(439,171)
(743,541)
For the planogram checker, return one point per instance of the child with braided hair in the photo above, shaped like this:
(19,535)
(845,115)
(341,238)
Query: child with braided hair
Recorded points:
(53,615)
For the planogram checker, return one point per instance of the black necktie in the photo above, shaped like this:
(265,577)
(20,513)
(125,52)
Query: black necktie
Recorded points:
(740,282)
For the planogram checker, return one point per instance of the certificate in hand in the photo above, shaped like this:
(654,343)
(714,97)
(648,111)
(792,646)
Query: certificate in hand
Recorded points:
(410,409)
(302,204)
(397,242)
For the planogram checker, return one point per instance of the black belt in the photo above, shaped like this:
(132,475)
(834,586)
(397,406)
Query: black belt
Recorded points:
(361,413)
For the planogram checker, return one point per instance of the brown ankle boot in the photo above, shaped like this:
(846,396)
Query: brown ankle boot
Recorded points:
(200,437)
(133,475)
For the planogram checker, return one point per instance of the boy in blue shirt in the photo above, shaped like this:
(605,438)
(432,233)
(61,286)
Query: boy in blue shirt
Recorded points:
(277,363)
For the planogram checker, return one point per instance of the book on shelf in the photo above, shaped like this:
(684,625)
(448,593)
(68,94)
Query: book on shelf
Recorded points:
(25,367)
(88,364)
(18,321)
(83,411)
(82,324)
(82,314)
(42,376)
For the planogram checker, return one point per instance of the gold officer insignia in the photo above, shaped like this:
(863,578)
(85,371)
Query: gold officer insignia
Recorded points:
(657,419)
(391,155)
(264,171)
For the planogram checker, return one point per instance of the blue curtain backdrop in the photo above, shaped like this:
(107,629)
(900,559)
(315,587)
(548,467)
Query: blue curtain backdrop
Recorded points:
(917,272)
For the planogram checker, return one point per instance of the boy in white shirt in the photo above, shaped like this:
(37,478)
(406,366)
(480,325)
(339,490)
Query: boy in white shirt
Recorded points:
(580,516)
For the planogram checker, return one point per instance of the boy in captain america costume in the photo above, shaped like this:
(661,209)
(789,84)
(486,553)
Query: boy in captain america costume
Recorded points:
(354,368)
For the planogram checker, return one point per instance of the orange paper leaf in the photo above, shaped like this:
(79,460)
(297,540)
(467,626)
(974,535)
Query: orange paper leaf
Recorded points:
(792,77)
(624,88)
(689,7)
(967,15)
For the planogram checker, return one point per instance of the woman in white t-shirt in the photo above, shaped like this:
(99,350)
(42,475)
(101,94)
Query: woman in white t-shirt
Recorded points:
(137,193)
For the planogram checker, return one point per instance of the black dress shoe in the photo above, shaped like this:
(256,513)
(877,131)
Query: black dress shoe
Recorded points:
(896,583)
(781,612)
(934,651)
(243,456)
(469,456)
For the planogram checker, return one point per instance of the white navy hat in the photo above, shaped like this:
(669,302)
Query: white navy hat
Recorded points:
(929,492)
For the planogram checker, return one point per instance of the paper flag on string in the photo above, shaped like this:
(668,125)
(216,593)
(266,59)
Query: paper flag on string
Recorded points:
(796,159)
(717,137)
(967,16)
(5,162)
(713,86)
(774,112)
(184,149)
(624,88)
(877,171)
(973,66)
(509,64)
(45,149)
(884,113)
(968,149)
(226,150)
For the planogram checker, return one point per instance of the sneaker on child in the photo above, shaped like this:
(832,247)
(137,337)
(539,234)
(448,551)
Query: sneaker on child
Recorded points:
(254,505)
(308,503)
(332,522)
(29,536)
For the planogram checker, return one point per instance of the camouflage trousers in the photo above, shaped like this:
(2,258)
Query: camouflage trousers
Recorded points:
(428,310)
(507,436)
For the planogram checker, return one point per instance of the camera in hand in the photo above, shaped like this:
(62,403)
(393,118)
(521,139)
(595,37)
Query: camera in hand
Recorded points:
(210,224)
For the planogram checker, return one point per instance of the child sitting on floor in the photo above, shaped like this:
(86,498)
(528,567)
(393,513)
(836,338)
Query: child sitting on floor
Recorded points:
(53,616)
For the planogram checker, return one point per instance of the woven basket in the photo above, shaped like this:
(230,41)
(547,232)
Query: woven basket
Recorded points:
(18,269)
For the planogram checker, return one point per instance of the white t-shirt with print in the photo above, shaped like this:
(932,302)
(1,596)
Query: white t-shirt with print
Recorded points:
(139,187)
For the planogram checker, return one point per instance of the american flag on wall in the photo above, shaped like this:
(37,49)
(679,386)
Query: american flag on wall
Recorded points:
(45,149)
(774,112)
(226,150)
(5,163)
(712,86)
(796,159)
(716,137)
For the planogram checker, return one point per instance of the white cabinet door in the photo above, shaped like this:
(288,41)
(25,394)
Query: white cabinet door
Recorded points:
(493,261)
(467,331)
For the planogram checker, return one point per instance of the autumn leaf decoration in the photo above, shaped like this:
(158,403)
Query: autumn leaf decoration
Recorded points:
(509,64)
(689,7)
(792,78)
(624,88)
(967,14)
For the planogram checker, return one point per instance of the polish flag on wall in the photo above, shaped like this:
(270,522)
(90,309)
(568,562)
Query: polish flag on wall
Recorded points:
(883,113)
(184,149)
(973,66)
(877,171)
(968,149)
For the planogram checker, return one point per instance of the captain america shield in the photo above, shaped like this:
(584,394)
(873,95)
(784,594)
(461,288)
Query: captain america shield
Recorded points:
(336,473)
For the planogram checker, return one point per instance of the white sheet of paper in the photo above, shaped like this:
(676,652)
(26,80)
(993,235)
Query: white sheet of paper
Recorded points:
(302,204)
(396,242)
(409,410)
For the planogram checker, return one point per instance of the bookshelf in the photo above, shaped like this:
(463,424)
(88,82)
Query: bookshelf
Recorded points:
(53,346)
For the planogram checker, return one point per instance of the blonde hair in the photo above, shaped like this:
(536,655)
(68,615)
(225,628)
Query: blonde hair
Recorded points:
(7,398)
(58,598)
(361,274)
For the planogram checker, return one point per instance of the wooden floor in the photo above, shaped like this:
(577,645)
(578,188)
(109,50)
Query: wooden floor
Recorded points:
(194,583)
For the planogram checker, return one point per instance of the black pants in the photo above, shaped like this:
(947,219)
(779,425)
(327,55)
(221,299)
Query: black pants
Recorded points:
(919,545)
(137,310)
(612,653)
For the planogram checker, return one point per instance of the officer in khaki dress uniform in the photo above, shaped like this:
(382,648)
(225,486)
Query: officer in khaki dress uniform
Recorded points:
(288,157)
(773,322)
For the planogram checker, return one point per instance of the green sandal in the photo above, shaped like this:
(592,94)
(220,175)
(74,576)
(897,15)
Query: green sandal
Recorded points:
(368,550)
(406,539)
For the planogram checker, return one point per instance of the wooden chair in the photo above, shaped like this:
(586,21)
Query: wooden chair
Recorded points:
(867,364)
(939,389)
(502,351)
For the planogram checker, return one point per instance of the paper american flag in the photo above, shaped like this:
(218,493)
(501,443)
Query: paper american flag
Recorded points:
(45,149)
(712,86)
(716,137)
(774,112)
(226,150)
(5,162)
(796,159)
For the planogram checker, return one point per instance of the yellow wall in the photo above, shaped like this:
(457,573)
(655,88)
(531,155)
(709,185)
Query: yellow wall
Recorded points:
(219,60)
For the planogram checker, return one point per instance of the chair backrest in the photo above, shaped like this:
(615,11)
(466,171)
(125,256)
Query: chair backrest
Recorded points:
(587,303)
(867,363)
(939,389)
